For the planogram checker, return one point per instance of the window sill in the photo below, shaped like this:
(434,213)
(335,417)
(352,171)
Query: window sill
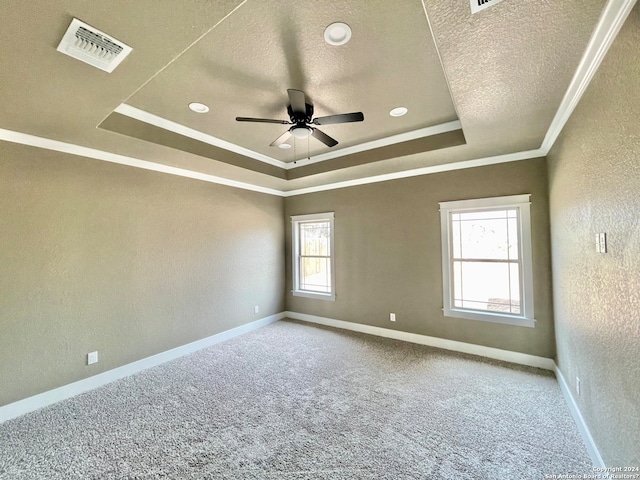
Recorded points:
(320,296)
(490,317)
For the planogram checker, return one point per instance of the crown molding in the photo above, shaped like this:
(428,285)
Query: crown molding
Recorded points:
(56,145)
(180,129)
(611,20)
(382,142)
(49,144)
(151,119)
(609,24)
(447,167)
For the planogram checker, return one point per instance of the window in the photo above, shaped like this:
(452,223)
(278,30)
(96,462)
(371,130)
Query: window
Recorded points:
(313,266)
(486,260)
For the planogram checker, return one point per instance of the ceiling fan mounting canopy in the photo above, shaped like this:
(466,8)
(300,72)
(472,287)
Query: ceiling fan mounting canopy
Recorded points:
(301,117)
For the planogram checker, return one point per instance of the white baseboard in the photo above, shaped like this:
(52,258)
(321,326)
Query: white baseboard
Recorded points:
(35,402)
(592,449)
(495,353)
(41,400)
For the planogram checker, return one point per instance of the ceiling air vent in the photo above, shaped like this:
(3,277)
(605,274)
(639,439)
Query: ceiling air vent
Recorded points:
(477,5)
(89,45)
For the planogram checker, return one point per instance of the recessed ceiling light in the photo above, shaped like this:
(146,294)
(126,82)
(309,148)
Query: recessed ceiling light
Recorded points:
(284,146)
(337,33)
(398,111)
(198,107)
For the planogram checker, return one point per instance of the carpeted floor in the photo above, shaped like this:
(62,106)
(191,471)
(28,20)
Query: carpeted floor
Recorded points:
(295,401)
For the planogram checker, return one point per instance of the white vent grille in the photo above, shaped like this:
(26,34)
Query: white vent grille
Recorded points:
(477,5)
(92,46)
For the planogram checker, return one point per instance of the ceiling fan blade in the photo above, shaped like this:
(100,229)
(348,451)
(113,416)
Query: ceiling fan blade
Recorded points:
(298,101)
(342,118)
(281,139)
(261,120)
(324,138)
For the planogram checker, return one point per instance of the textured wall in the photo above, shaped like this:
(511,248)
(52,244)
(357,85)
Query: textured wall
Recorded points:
(594,186)
(388,256)
(128,262)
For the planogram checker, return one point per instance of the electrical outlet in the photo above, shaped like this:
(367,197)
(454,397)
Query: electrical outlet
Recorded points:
(578,386)
(92,358)
(256,309)
(392,317)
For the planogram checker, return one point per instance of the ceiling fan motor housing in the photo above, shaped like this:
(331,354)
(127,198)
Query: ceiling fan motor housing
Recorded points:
(299,117)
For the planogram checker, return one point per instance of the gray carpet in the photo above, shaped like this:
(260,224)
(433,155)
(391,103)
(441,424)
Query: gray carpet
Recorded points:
(295,401)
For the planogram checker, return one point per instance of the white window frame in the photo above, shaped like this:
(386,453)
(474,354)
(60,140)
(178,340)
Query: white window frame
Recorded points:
(520,202)
(296,220)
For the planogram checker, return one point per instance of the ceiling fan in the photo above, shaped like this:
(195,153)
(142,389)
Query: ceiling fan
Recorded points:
(301,113)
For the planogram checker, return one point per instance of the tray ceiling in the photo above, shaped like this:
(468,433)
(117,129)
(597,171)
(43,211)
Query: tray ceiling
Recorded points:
(475,85)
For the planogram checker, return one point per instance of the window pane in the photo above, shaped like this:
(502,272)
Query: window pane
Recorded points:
(485,235)
(484,238)
(315,274)
(314,238)
(486,286)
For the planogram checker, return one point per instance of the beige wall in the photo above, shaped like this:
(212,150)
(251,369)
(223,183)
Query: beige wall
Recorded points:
(594,184)
(97,256)
(388,257)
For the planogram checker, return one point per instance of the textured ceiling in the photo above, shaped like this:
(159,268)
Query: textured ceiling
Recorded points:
(502,73)
(246,72)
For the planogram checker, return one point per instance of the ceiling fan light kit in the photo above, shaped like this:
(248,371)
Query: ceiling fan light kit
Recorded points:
(300,132)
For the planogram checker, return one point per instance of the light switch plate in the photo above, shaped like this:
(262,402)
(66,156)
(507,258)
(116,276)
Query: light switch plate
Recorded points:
(601,242)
